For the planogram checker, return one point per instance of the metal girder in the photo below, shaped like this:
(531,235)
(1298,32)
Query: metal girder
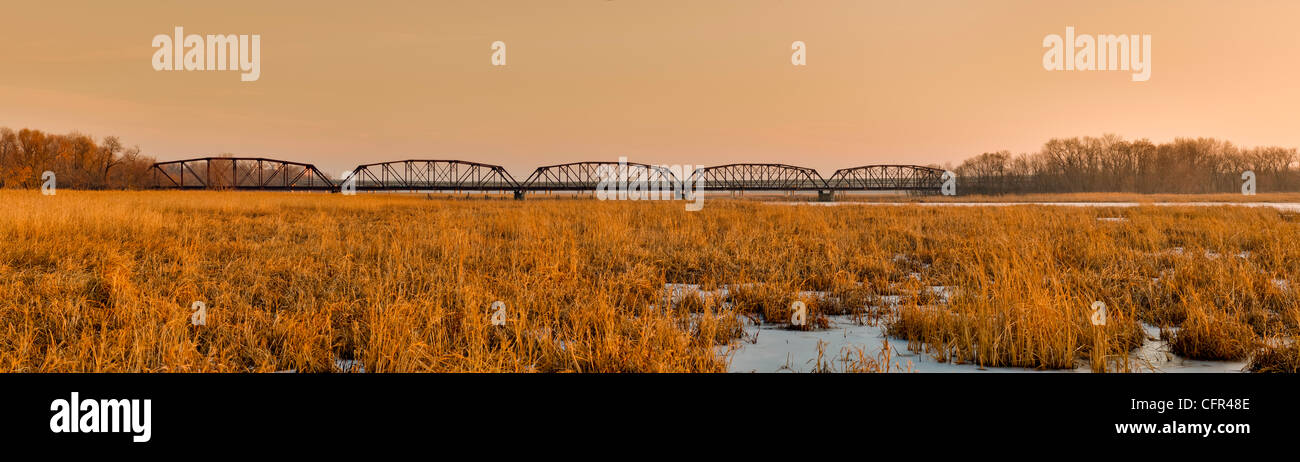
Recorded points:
(586,176)
(432,175)
(758,177)
(239,173)
(886,178)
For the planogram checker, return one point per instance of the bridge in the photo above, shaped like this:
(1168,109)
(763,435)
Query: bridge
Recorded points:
(443,175)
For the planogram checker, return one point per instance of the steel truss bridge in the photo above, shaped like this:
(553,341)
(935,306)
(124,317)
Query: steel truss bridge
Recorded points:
(255,173)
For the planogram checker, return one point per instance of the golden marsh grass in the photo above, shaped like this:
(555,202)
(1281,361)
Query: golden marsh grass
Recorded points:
(103,281)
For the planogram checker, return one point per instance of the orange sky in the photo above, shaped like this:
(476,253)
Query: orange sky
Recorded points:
(665,81)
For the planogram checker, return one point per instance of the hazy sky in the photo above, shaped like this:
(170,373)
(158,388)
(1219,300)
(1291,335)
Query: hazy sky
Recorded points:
(663,81)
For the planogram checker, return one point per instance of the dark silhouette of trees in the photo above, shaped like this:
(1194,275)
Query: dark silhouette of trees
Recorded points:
(1112,164)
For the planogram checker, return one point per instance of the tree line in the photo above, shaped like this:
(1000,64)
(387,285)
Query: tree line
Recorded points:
(1063,165)
(1111,164)
(76,159)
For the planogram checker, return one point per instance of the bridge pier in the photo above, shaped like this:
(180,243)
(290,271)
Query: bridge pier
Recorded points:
(825,196)
(519,194)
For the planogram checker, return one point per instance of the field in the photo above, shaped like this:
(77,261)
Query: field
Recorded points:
(105,281)
(1079,197)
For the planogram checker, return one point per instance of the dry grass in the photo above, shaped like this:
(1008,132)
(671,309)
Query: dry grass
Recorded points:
(1277,358)
(1076,197)
(103,281)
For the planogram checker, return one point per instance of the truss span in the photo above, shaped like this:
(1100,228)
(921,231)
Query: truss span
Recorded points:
(239,173)
(430,175)
(586,176)
(758,177)
(887,178)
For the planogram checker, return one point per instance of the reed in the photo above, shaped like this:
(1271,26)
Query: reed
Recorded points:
(104,281)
